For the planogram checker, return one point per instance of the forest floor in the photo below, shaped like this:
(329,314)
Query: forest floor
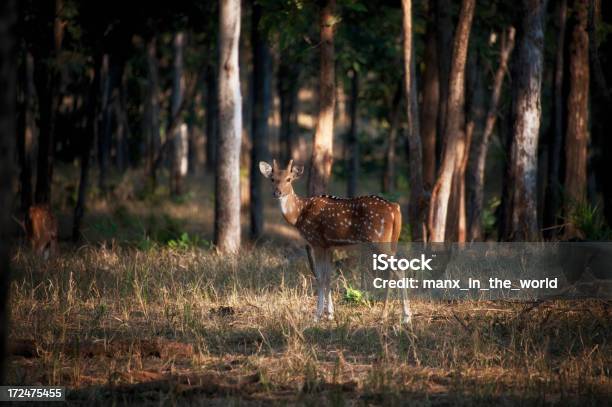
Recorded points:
(144,312)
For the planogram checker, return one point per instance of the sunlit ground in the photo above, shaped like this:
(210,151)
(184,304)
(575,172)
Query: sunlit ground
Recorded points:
(144,312)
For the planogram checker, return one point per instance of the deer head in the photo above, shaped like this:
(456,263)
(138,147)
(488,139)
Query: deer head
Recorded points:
(281,178)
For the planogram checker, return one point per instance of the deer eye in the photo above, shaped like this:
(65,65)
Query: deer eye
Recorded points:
(288,179)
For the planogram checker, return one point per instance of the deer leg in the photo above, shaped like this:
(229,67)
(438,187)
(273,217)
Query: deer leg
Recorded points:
(406,313)
(311,260)
(327,279)
(386,303)
(319,266)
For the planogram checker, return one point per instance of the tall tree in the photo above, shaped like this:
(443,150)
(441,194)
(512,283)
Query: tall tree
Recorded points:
(180,145)
(322,146)
(454,134)
(212,116)
(416,205)
(553,184)
(288,86)
(477,171)
(526,115)
(89,136)
(227,178)
(261,111)
(431,101)
(151,105)
(444,47)
(111,74)
(46,79)
(8,98)
(577,136)
(27,130)
(601,119)
(352,162)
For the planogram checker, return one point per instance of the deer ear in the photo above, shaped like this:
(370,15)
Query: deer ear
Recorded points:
(265,168)
(297,171)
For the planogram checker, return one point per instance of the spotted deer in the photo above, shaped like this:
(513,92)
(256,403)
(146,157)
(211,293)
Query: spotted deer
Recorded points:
(327,222)
(41,230)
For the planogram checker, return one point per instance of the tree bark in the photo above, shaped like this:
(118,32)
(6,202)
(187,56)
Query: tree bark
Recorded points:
(180,145)
(415,150)
(553,184)
(27,131)
(47,80)
(577,136)
(8,99)
(212,115)
(475,96)
(122,127)
(151,108)
(454,135)
(352,163)
(322,147)
(112,72)
(227,180)
(288,86)
(431,102)
(527,111)
(389,179)
(601,119)
(90,136)
(444,47)
(477,171)
(259,125)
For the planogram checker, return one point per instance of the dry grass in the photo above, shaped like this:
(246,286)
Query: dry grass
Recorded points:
(116,322)
(105,320)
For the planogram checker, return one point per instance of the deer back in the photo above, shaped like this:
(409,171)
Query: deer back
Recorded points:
(328,221)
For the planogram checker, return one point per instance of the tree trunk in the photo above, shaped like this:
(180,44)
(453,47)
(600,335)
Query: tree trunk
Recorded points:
(122,129)
(180,145)
(197,138)
(288,86)
(454,135)
(322,146)
(577,136)
(47,81)
(8,98)
(415,151)
(151,108)
(212,115)
(481,148)
(259,125)
(527,111)
(601,119)
(431,102)
(389,180)
(227,179)
(553,184)
(27,131)
(112,72)
(90,136)
(474,136)
(444,46)
(352,163)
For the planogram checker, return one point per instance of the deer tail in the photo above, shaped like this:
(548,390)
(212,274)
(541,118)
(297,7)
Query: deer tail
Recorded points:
(397,227)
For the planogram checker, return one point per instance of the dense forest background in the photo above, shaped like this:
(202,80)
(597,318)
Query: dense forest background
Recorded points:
(503,133)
